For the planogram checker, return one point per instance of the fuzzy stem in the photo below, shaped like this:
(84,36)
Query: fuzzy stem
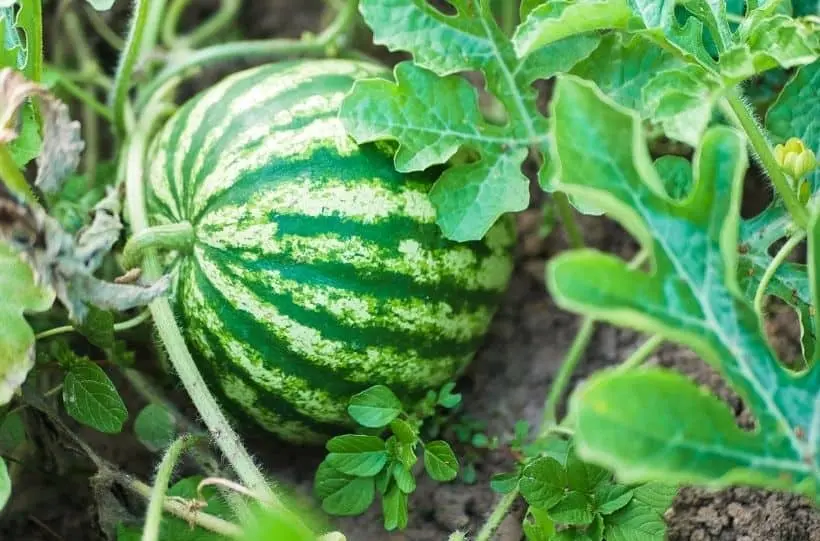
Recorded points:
(642,353)
(13,178)
(576,352)
(256,50)
(743,117)
(34,42)
(153,516)
(228,9)
(122,326)
(779,258)
(179,237)
(213,417)
(128,60)
(498,514)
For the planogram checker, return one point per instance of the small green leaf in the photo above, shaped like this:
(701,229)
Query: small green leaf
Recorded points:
(635,521)
(439,461)
(5,484)
(404,431)
(375,407)
(404,478)
(357,455)
(20,294)
(504,483)
(394,507)
(405,453)
(155,427)
(609,497)
(90,398)
(574,509)
(582,476)
(98,327)
(383,478)
(676,173)
(351,498)
(713,15)
(12,433)
(558,19)
(446,397)
(537,525)
(657,496)
(543,482)
(27,145)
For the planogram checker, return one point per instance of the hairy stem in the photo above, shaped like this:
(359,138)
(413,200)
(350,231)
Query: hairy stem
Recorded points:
(743,117)
(228,9)
(178,236)
(498,514)
(779,258)
(128,60)
(256,50)
(213,417)
(153,516)
(642,353)
(122,326)
(573,357)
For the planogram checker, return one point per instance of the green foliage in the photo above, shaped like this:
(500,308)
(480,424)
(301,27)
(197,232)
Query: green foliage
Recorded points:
(360,466)
(90,397)
(20,294)
(692,296)
(5,484)
(155,427)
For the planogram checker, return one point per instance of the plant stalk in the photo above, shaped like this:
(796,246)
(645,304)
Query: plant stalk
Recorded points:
(642,353)
(121,326)
(763,151)
(153,516)
(128,60)
(497,516)
(779,258)
(213,417)
(574,235)
(228,9)
(178,236)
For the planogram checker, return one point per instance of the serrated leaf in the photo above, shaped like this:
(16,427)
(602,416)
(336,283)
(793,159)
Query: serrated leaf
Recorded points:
(12,48)
(394,507)
(357,455)
(713,15)
(98,327)
(90,398)
(432,114)
(543,482)
(657,496)
(692,297)
(769,42)
(582,476)
(557,19)
(375,407)
(676,173)
(537,525)
(574,508)
(439,461)
(610,497)
(404,478)
(681,101)
(155,427)
(5,484)
(635,522)
(504,483)
(20,294)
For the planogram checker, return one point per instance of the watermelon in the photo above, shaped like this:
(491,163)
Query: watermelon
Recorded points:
(316,270)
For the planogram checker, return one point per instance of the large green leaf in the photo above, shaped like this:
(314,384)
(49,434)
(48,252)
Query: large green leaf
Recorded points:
(20,293)
(652,424)
(433,114)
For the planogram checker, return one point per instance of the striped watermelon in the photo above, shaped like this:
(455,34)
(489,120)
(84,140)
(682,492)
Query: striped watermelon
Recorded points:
(317,270)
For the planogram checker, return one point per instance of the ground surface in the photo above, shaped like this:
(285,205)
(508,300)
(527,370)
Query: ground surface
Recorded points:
(507,382)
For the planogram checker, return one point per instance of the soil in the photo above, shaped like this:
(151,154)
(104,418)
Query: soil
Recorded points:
(507,382)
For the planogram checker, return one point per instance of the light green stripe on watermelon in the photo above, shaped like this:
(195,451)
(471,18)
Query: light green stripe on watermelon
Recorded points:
(317,269)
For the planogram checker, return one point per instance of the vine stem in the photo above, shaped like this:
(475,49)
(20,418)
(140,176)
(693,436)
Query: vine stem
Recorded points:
(574,235)
(153,516)
(779,258)
(213,417)
(642,353)
(227,12)
(573,357)
(128,60)
(121,326)
(500,511)
(744,118)
(177,236)
(256,49)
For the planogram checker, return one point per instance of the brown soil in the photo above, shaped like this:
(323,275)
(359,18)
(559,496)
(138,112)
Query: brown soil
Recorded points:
(507,382)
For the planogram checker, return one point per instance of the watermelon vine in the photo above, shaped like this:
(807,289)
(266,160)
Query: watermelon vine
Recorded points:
(321,241)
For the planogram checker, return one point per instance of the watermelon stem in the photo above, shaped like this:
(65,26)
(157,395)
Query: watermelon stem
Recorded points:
(177,237)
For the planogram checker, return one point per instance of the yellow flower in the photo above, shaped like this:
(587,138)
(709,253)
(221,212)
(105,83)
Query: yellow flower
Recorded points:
(795,159)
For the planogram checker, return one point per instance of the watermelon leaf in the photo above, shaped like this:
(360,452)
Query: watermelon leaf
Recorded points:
(691,296)
(375,407)
(440,462)
(433,114)
(90,397)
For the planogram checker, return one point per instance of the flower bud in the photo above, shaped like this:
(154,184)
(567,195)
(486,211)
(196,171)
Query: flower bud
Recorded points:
(795,159)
